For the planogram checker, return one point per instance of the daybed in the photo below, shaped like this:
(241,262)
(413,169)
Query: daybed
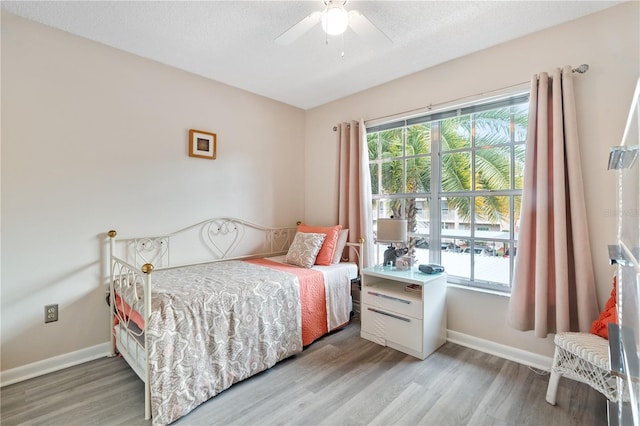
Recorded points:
(200,309)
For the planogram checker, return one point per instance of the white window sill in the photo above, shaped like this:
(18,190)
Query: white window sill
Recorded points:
(479,290)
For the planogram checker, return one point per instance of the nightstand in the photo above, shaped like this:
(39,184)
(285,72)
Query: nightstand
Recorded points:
(413,322)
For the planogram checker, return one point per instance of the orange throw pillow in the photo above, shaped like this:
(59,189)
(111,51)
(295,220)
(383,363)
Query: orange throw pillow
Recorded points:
(608,315)
(325,255)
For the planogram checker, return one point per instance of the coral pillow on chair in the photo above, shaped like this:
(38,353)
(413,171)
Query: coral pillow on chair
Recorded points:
(325,255)
(608,315)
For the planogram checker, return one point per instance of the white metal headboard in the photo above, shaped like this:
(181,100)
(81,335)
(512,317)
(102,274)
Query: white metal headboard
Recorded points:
(213,239)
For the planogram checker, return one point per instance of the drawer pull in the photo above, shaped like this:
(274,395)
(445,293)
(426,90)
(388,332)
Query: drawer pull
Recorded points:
(397,299)
(389,315)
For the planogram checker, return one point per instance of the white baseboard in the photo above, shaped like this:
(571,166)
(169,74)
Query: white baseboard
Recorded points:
(56,363)
(520,356)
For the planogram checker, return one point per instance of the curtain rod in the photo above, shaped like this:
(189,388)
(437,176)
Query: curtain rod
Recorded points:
(580,70)
(335,128)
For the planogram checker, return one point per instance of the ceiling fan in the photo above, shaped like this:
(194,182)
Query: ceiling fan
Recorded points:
(335,20)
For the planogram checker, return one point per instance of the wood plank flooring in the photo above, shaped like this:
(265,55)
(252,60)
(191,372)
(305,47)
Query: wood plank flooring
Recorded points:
(339,380)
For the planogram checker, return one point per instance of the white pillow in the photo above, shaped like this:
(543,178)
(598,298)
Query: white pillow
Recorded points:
(340,245)
(304,249)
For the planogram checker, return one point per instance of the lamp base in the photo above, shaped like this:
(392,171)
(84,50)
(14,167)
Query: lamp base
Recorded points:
(390,256)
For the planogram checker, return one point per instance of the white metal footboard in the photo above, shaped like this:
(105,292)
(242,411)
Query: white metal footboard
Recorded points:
(133,285)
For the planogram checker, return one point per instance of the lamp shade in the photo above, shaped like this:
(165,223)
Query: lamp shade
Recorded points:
(391,231)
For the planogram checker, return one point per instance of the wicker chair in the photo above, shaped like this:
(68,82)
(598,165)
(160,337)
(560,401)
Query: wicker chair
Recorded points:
(583,357)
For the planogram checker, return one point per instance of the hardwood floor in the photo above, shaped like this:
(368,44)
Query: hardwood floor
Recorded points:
(339,380)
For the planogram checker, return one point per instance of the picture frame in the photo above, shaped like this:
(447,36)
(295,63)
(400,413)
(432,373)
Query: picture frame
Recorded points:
(202,144)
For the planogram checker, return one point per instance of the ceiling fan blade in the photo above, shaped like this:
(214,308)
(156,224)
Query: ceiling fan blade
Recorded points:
(293,33)
(365,29)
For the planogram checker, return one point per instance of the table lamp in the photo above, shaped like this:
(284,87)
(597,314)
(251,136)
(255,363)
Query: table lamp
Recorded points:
(392,231)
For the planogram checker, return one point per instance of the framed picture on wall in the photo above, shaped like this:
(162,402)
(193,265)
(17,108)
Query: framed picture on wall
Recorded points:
(202,144)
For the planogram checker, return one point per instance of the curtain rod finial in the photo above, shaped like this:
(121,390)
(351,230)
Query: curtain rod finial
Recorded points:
(581,69)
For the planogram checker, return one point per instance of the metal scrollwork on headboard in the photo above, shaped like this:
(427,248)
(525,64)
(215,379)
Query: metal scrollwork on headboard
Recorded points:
(280,239)
(154,250)
(217,228)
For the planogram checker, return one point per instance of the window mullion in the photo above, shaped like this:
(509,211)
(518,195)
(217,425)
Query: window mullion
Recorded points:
(435,215)
(403,207)
(472,202)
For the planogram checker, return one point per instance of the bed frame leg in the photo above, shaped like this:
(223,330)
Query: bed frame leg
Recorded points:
(112,235)
(113,337)
(147,401)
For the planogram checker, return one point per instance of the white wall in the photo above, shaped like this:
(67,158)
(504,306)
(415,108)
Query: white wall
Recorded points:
(93,139)
(608,41)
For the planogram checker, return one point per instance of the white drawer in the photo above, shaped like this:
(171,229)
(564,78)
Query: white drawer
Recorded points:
(393,299)
(392,327)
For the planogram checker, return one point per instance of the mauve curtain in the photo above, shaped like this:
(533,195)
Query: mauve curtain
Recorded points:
(354,192)
(553,283)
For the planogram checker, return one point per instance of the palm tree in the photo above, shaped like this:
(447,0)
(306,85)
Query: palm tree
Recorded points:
(417,169)
(492,161)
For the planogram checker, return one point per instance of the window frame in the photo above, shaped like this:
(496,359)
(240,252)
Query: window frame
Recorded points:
(436,196)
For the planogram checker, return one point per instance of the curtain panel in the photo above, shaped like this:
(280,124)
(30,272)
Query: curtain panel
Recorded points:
(354,187)
(553,285)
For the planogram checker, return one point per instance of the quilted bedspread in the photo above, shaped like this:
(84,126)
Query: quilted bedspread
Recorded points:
(245,317)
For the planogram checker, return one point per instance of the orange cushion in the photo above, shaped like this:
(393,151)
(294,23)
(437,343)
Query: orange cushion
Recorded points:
(325,255)
(608,315)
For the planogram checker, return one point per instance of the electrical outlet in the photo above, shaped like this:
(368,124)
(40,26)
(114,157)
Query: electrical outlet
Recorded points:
(50,313)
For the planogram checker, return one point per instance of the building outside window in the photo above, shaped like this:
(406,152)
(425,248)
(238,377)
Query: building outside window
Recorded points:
(456,176)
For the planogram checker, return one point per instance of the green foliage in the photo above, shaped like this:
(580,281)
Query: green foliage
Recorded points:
(488,132)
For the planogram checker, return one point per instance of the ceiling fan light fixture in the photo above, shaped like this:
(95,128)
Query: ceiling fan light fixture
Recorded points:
(335,19)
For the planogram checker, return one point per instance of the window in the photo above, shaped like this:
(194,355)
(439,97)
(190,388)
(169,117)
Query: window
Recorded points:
(461,170)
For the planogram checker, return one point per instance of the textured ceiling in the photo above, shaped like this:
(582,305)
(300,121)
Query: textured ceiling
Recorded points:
(233,41)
